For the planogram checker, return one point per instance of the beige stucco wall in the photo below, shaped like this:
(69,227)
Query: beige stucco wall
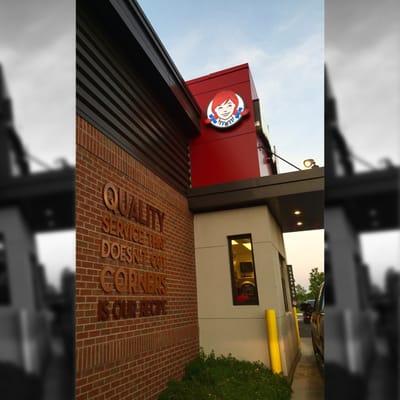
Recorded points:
(240,330)
(24,330)
(19,245)
(349,327)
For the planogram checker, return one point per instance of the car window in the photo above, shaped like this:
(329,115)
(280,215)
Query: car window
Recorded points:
(321,300)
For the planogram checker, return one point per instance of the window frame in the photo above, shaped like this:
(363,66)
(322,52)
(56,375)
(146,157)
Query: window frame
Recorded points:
(8,299)
(233,286)
(284,274)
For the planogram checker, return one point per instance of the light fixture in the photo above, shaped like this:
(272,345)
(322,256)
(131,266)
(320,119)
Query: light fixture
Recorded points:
(247,245)
(309,163)
(297,212)
(374,223)
(299,223)
(48,212)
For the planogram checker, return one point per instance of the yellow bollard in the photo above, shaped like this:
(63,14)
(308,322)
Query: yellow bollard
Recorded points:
(296,324)
(273,341)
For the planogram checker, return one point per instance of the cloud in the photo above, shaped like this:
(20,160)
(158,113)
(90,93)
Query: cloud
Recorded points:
(290,23)
(37,50)
(289,82)
(351,25)
(367,86)
(184,50)
(42,87)
(304,250)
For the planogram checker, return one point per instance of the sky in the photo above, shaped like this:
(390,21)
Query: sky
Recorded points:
(281,41)
(363,60)
(304,251)
(362,43)
(37,51)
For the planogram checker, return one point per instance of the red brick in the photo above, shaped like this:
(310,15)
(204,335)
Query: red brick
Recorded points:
(132,358)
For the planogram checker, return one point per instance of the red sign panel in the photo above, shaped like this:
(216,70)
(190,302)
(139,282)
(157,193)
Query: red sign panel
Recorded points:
(226,149)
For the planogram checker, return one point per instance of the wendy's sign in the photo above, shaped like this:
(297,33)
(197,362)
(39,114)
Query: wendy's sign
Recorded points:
(133,259)
(225,109)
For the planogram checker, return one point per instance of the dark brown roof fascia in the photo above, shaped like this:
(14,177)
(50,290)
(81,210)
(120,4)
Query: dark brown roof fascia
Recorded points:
(253,192)
(137,23)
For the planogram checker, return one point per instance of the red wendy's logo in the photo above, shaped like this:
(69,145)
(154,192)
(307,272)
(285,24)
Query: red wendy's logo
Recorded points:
(225,109)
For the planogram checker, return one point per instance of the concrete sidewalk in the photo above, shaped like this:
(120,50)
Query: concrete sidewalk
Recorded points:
(307,382)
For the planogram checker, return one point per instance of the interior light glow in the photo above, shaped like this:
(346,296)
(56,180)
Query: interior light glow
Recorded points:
(247,245)
(297,212)
(299,223)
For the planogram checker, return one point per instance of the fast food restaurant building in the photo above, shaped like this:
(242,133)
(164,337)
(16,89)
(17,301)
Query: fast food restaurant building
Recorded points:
(179,213)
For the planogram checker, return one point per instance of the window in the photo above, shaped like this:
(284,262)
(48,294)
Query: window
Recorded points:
(38,278)
(284,291)
(243,273)
(320,302)
(330,295)
(4,284)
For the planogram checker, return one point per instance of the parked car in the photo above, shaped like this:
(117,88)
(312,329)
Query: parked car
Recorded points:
(307,307)
(317,328)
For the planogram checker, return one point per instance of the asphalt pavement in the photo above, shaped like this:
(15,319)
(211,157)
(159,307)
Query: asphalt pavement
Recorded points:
(305,329)
(382,379)
(58,382)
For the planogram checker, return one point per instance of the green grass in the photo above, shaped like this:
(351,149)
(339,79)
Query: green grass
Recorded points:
(226,378)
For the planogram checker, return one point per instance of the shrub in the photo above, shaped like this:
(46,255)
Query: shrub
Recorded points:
(226,378)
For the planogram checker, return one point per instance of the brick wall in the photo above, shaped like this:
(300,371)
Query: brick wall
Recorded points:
(129,358)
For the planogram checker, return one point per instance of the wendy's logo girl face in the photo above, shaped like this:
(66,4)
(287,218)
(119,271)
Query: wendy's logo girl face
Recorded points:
(225,109)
